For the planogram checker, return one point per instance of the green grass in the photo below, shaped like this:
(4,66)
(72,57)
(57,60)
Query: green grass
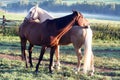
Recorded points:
(13,16)
(93,21)
(107,60)
(15,70)
(91,1)
(107,63)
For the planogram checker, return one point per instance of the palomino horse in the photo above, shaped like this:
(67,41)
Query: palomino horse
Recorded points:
(48,34)
(77,36)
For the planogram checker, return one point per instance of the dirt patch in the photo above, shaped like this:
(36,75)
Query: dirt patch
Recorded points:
(15,57)
(10,57)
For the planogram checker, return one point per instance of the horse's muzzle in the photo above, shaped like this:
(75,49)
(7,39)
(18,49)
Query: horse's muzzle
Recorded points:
(85,27)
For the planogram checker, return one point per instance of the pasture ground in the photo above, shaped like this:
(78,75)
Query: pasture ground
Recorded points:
(107,59)
(107,62)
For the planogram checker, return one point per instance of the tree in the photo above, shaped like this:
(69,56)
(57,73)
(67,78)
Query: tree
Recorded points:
(113,6)
(58,1)
(24,2)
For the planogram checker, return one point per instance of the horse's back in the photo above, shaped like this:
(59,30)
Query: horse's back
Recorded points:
(37,33)
(28,28)
(76,34)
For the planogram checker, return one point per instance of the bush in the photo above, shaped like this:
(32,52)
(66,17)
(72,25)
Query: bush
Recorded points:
(10,31)
(100,31)
(106,31)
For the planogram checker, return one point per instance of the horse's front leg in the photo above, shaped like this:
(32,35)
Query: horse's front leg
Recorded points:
(40,57)
(57,55)
(23,48)
(30,54)
(52,51)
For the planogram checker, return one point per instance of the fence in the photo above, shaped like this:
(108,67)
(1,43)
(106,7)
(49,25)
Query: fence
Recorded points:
(10,27)
(100,31)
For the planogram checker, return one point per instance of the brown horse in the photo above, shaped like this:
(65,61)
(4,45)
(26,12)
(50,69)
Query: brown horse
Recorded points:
(76,35)
(48,34)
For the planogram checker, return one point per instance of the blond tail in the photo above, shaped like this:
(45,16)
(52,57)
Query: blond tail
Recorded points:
(88,55)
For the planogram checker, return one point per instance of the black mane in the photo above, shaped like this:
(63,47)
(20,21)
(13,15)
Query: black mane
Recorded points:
(64,21)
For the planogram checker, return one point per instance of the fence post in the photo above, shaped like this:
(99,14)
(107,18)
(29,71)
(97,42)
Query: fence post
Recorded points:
(3,24)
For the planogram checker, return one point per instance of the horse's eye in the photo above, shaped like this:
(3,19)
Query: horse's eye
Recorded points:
(30,12)
(81,16)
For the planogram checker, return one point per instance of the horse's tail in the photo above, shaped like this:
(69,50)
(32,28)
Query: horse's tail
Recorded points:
(88,54)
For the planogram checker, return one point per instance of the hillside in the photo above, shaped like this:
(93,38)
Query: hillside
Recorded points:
(69,2)
(85,6)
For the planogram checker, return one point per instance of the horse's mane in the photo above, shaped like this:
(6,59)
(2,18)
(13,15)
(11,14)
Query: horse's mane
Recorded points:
(64,21)
(59,22)
(46,12)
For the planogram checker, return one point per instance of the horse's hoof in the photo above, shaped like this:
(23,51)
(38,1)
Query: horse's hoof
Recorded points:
(31,66)
(75,70)
(51,72)
(36,72)
(91,73)
(58,67)
(26,66)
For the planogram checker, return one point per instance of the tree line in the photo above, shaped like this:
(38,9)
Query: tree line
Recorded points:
(98,8)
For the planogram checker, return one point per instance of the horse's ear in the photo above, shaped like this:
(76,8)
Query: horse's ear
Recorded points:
(36,5)
(72,10)
(75,12)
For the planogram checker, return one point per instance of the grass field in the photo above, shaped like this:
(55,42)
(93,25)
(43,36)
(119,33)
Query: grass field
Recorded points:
(69,2)
(20,16)
(107,59)
(13,16)
(107,65)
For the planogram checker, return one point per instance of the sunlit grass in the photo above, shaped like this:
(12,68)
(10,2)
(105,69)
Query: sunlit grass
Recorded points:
(92,21)
(113,44)
(13,16)
(107,63)
(11,70)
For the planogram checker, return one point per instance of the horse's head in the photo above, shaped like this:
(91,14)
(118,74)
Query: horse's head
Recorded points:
(38,13)
(33,13)
(80,20)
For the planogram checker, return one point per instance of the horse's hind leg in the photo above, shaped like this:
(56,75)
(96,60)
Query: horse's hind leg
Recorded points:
(30,54)
(52,51)
(77,46)
(23,48)
(79,57)
(57,55)
(40,57)
(92,65)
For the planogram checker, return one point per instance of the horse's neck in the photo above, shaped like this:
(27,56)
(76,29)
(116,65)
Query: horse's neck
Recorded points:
(62,32)
(68,23)
(63,21)
(44,15)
